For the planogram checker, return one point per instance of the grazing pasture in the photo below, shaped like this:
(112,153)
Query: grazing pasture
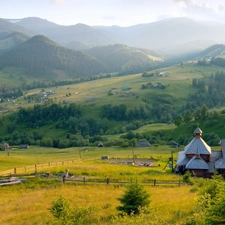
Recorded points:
(29,202)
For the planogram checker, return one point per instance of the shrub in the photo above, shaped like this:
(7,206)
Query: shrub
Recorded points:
(134,200)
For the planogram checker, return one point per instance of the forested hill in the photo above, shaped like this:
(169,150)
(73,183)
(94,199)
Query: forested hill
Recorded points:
(124,58)
(11,40)
(40,56)
(213,51)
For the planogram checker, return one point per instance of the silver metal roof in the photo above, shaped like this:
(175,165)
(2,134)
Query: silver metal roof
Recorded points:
(197,146)
(215,156)
(198,131)
(223,148)
(182,159)
(181,156)
(197,162)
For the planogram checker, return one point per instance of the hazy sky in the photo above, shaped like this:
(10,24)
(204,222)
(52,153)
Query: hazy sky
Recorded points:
(112,12)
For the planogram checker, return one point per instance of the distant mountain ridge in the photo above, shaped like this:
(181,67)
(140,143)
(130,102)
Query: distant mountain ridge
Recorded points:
(158,36)
(104,49)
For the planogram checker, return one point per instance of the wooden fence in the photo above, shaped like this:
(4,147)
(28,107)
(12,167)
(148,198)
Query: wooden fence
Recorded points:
(37,167)
(85,180)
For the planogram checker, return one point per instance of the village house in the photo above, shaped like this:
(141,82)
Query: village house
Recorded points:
(199,159)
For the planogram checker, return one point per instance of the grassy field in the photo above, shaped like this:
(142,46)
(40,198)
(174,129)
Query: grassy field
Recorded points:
(20,157)
(178,83)
(28,203)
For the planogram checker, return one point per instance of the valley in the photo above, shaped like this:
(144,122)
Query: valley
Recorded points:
(73,95)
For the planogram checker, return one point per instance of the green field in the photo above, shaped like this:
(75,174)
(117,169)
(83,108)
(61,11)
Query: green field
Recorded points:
(178,86)
(28,202)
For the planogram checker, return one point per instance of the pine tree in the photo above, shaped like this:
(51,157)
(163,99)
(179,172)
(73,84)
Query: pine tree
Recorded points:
(134,200)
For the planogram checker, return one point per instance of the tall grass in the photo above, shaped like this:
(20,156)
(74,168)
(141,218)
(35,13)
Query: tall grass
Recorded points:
(29,202)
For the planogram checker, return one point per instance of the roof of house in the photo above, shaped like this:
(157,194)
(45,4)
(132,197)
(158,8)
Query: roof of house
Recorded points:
(215,156)
(197,146)
(181,158)
(223,148)
(143,144)
(220,164)
(196,162)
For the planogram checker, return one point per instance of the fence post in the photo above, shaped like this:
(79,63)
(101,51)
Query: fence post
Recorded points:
(63,178)
(25,169)
(107,181)
(84,180)
(62,163)
(49,164)
(14,170)
(154,182)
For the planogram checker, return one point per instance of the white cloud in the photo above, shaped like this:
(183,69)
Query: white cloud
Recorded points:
(58,2)
(185,2)
(203,11)
(221,8)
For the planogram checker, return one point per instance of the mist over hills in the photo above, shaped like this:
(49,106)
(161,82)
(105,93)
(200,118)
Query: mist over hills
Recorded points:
(104,49)
(158,36)
(7,28)
(124,58)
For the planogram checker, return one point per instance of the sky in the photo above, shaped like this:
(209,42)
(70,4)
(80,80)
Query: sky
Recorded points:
(123,13)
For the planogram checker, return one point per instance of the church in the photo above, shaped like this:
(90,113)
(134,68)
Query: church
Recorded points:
(199,159)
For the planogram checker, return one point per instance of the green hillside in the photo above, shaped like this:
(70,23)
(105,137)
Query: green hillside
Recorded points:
(40,57)
(12,40)
(124,58)
(213,51)
(104,109)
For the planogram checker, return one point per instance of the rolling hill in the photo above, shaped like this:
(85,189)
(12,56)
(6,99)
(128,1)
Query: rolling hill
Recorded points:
(40,57)
(213,51)
(11,40)
(124,58)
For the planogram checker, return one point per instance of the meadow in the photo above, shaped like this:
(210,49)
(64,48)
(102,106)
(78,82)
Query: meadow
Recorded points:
(29,202)
(178,83)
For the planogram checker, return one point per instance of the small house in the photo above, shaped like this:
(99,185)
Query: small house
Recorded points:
(91,99)
(6,145)
(104,157)
(143,144)
(66,102)
(100,145)
(175,144)
(24,146)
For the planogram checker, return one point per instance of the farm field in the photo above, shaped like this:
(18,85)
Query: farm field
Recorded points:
(178,82)
(29,202)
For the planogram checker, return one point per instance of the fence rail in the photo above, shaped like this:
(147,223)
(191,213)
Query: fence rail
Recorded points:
(85,180)
(37,167)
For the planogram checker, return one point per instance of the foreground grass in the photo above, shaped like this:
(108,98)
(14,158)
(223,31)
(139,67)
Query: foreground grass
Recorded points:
(28,203)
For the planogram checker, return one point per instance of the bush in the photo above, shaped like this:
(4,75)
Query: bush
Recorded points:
(65,214)
(135,199)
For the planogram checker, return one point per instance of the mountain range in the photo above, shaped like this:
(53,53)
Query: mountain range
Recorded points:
(45,48)
(164,36)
